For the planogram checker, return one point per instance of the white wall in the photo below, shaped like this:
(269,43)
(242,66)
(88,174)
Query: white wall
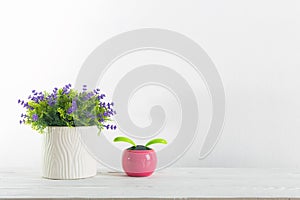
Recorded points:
(254,44)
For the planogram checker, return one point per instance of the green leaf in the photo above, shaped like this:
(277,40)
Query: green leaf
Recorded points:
(124,139)
(156,141)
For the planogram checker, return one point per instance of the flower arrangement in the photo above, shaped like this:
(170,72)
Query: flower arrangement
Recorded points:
(67,107)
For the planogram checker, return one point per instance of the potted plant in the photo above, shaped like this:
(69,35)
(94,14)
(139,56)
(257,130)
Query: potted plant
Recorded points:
(139,160)
(61,116)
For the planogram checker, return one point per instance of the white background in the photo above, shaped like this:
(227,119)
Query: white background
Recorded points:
(254,44)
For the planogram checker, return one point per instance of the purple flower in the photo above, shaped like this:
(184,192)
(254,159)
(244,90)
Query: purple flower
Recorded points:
(41,97)
(35,99)
(64,90)
(25,105)
(111,127)
(35,117)
(110,112)
(51,99)
(74,102)
(84,88)
(88,96)
(54,95)
(55,89)
(105,114)
(101,96)
(19,101)
(51,102)
(33,91)
(73,108)
(69,111)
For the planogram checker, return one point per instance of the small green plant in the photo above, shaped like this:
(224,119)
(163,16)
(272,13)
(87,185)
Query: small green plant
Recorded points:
(140,147)
(67,107)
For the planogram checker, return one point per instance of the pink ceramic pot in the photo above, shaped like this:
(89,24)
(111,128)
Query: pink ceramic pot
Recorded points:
(139,162)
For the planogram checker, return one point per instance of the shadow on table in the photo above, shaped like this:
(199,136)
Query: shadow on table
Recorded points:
(118,174)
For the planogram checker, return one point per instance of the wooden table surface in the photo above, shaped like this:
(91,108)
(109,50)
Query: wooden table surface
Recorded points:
(171,183)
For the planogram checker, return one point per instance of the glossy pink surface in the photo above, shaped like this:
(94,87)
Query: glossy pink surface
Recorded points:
(139,162)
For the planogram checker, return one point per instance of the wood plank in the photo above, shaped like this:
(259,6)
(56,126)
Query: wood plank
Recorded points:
(172,183)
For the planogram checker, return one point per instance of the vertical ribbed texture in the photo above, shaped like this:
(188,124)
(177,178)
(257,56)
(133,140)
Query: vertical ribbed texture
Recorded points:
(65,157)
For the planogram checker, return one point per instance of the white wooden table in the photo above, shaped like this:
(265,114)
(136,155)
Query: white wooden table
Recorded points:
(171,183)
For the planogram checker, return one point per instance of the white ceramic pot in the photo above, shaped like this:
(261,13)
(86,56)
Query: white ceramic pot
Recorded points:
(64,155)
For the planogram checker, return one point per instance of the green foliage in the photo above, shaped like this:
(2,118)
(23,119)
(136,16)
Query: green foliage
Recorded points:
(67,107)
(156,141)
(124,139)
(128,140)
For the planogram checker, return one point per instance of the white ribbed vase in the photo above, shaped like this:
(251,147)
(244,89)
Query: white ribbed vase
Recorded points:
(64,155)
